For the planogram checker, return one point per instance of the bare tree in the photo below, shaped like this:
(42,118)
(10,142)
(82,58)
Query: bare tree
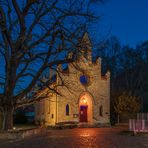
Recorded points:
(36,35)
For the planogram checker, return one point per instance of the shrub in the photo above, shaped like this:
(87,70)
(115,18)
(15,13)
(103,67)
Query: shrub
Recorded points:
(19,117)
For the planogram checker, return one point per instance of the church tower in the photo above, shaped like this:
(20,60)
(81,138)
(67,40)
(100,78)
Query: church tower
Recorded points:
(85,48)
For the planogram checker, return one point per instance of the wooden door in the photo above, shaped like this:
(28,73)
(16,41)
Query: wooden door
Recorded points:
(83,113)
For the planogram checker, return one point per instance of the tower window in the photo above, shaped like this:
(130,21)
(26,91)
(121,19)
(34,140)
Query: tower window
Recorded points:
(67,110)
(101,111)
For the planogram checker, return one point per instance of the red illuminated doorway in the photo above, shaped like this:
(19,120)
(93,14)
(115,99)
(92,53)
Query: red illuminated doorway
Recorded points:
(83,113)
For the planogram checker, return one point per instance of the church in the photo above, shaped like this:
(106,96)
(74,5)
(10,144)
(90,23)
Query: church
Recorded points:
(85,97)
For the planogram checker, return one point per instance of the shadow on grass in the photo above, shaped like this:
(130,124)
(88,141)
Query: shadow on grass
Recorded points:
(131,133)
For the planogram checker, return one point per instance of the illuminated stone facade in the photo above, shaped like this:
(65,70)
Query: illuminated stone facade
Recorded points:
(85,98)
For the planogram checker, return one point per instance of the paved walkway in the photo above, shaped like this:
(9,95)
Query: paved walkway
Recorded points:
(80,138)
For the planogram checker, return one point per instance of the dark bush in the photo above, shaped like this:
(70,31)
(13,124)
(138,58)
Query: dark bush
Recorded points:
(19,117)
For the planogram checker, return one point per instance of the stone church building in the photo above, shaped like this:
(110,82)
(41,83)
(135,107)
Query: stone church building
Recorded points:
(85,98)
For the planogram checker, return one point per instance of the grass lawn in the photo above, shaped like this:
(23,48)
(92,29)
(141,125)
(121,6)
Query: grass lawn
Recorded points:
(130,133)
(25,126)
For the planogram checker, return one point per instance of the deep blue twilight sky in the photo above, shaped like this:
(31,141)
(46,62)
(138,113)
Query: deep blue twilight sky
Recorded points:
(126,19)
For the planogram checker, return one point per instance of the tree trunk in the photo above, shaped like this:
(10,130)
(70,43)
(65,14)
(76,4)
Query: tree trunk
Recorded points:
(1,120)
(118,118)
(7,118)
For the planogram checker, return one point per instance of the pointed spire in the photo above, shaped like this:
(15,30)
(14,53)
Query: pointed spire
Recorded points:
(107,74)
(85,47)
(86,40)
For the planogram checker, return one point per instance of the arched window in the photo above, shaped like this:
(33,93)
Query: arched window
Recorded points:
(101,111)
(67,110)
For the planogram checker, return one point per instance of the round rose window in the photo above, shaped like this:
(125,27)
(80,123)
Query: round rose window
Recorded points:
(84,79)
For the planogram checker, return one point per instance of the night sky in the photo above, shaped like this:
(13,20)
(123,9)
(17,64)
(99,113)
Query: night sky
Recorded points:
(126,19)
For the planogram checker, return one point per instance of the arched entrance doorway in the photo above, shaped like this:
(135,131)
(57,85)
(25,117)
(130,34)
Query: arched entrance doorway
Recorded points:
(85,108)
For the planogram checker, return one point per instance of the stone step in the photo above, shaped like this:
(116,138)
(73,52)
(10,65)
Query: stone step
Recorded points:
(91,125)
